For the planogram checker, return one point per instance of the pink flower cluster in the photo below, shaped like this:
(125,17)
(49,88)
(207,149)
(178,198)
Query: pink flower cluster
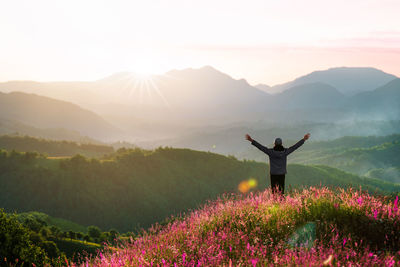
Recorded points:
(254,230)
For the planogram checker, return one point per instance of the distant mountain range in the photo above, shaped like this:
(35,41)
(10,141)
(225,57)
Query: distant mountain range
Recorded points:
(184,101)
(348,81)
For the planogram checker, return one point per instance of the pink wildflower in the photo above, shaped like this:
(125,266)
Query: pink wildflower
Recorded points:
(360,200)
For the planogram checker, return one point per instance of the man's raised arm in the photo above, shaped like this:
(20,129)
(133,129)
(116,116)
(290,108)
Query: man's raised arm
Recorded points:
(264,149)
(298,144)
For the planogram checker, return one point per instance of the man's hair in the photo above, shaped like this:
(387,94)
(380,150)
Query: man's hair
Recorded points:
(279,148)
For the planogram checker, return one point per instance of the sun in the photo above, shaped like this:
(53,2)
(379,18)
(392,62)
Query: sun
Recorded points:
(145,65)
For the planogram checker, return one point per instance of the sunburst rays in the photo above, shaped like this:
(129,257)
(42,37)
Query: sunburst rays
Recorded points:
(140,89)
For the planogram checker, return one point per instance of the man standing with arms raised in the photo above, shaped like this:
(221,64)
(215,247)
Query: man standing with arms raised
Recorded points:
(277,160)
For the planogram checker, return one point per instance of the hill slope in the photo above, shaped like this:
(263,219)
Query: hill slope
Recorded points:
(138,188)
(44,112)
(51,147)
(315,227)
(357,160)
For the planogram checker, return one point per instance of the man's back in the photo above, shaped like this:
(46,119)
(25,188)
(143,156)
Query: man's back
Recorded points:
(277,159)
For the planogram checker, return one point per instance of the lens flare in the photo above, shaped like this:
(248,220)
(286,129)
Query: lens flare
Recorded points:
(246,185)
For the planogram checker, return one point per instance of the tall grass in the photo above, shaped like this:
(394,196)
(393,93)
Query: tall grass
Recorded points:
(315,226)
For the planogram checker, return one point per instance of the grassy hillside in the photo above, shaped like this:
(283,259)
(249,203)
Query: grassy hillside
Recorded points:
(136,188)
(51,147)
(360,161)
(314,227)
(61,224)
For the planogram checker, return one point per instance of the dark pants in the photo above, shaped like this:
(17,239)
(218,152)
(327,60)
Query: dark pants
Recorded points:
(278,183)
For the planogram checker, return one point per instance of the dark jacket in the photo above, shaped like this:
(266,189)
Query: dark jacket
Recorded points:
(277,159)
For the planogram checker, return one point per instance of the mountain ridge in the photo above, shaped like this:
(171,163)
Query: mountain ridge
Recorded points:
(368,77)
(46,112)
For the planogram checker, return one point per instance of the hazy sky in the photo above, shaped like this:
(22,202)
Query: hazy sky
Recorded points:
(263,41)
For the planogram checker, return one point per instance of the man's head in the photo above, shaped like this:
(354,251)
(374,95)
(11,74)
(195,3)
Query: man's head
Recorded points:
(278,142)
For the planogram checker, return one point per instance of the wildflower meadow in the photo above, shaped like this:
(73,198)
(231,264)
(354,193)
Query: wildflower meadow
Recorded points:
(313,227)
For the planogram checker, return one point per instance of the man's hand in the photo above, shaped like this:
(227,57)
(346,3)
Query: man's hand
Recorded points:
(306,136)
(248,137)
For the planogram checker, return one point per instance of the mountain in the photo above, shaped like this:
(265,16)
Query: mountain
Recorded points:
(76,92)
(263,87)
(201,90)
(15,128)
(211,89)
(182,102)
(381,103)
(181,97)
(346,80)
(45,112)
(308,96)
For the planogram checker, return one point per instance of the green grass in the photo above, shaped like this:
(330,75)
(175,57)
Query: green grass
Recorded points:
(64,225)
(72,248)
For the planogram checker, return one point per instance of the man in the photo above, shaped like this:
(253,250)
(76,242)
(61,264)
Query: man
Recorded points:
(277,160)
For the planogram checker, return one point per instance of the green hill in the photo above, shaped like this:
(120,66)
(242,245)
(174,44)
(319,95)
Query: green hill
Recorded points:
(136,188)
(361,161)
(51,147)
(62,224)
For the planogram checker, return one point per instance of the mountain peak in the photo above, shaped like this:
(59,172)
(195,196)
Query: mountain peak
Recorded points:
(205,69)
(347,80)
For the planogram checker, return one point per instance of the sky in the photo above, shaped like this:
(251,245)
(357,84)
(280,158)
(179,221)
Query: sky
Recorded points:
(263,41)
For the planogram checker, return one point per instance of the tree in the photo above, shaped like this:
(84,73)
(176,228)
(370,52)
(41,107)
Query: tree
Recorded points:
(79,235)
(113,234)
(86,238)
(16,244)
(94,232)
(51,249)
(64,234)
(71,234)
(105,236)
(55,231)
(33,224)
(45,232)
(36,238)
